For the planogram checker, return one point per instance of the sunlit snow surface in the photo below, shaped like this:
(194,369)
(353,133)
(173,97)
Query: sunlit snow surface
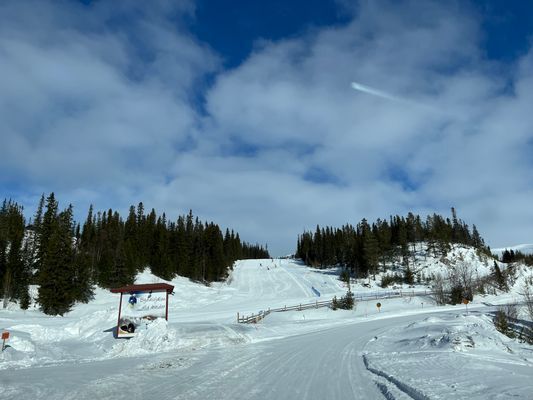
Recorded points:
(452,357)
(411,349)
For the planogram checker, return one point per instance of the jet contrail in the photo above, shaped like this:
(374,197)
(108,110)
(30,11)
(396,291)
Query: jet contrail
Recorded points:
(375,92)
(384,95)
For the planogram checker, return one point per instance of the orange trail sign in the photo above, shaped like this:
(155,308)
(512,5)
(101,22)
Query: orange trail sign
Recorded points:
(5,336)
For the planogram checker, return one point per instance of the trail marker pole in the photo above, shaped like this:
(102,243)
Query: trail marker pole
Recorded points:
(5,336)
(465,302)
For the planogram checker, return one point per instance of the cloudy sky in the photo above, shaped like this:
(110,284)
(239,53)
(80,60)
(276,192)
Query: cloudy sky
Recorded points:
(245,111)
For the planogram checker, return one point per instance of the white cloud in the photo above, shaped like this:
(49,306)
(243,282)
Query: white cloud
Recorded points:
(93,98)
(103,111)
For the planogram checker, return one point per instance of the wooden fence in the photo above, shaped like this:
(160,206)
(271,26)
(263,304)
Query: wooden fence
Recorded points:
(255,318)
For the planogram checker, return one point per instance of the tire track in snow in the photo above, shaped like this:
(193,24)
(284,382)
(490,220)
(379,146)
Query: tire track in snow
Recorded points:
(415,394)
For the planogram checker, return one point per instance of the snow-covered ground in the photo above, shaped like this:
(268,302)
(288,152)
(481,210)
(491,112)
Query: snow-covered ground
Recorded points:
(452,356)
(409,348)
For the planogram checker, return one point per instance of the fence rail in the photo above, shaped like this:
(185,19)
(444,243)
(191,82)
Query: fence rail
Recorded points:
(255,318)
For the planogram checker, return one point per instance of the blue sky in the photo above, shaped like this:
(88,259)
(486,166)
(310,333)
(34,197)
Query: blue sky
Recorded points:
(232,28)
(244,111)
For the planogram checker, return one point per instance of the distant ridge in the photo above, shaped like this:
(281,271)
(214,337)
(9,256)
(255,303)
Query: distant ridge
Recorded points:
(523,248)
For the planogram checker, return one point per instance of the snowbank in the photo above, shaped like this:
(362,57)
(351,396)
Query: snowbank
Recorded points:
(461,356)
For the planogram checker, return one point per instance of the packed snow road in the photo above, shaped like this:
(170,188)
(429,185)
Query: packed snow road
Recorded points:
(320,365)
(327,364)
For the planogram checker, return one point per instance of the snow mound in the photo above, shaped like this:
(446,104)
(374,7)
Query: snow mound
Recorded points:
(19,352)
(159,336)
(467,347)
(460,333)
(40,333)
(154,337)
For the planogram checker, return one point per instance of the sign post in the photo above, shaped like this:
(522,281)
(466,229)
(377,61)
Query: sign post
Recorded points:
(141,302)
(379,307)
(5,336)
(465,302)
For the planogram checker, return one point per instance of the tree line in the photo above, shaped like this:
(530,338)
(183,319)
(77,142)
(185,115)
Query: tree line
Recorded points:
(511,256)
(363,248)
(66,260)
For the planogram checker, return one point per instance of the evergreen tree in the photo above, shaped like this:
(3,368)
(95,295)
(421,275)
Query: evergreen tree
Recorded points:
(13,280)
(84,260)
(57,292)
(28,254)
(44,232)
(370,248)
(408,276)
(15,265)
(160,261)
(216,261)
(456,294)
(38,219)
(499,278)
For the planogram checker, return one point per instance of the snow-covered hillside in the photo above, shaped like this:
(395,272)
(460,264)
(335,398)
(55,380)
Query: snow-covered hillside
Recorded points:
(425,265)
(203,353)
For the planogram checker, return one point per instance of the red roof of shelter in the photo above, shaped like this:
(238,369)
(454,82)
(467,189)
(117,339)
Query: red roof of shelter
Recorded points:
(144,288)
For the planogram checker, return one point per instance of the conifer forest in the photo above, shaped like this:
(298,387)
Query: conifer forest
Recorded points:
(67,260)
(365,247)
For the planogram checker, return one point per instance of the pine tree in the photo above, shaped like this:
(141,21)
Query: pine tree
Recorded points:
(182,247)
(455,227)
(44,232)
(384,237)
(28,254)
(131,237)
(371,253)
(13,277)
(160,261)
(38,218)
(457,294)
(15,264)
(499,278)
(408,277)
(57,274)
(216,261)
(83,281)
(84,260)
(402,237)
(501,323)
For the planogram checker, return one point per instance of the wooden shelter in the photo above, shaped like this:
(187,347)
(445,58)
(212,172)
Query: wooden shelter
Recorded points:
(146,302)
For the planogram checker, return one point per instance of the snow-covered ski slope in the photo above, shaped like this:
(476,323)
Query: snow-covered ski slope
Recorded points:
(254,285)
(202,353)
